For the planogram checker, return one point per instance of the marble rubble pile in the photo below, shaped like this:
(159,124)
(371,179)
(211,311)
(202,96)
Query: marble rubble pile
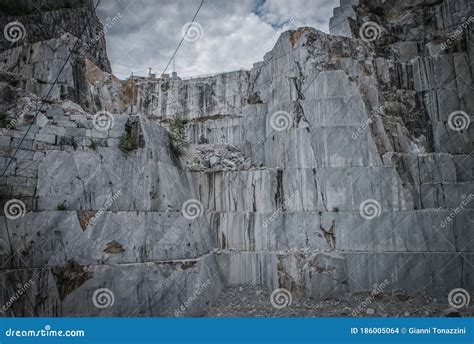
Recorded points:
(215,157)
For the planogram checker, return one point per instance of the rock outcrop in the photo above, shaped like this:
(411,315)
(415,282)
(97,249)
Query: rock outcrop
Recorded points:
(332,165)
(52,19)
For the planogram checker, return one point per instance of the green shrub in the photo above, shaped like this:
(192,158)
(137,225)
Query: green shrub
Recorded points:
(127,142)
(178,140)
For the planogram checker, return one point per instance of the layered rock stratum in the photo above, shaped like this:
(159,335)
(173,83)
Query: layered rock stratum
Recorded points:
(340,162)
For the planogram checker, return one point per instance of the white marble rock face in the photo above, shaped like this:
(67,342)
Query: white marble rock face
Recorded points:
(365,182)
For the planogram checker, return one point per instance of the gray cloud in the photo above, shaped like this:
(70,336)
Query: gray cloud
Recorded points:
(235,34)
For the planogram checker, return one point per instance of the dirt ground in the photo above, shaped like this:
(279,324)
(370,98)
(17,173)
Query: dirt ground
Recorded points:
(251,301)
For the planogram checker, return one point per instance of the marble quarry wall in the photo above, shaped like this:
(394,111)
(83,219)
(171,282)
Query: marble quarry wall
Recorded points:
(338,162)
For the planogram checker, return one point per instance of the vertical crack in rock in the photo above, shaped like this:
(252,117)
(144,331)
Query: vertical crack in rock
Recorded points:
(254,198)
(298,82)
(319,187)
(223,241)
(279,196)
(250,231)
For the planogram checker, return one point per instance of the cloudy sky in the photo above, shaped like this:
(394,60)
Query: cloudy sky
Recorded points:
(228,34)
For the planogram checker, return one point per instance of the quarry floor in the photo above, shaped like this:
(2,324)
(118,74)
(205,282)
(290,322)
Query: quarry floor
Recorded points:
(254,301)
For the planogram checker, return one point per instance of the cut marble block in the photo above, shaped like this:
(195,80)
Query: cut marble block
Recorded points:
(312,274)
(325,276)
(272,231)
(168,288)
(86,180)
(107,237)
(464,167)
(331,84)
(434,272)
(336,111)
(448,195)
(332,146)
(339,24)
(194,98)
(326,189)
(423,168)
(405,231)
(227,130)
(450,141)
